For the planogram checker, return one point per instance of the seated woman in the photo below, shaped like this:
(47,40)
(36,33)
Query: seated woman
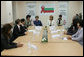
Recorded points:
(51,22)
(73,28)
(37,22)
(5,38)
(78,36)
(28,21)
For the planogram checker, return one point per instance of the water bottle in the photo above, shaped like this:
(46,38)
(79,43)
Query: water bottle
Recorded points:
(45,36)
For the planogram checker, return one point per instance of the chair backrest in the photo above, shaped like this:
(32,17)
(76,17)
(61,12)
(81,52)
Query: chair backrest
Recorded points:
(1,25)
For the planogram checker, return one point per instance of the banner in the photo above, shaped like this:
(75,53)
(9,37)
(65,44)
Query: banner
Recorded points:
(47,9)
(63,10)
(30,9)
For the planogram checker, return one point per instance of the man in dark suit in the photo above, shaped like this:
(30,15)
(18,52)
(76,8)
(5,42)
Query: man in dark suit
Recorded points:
(23,25)
(18,30)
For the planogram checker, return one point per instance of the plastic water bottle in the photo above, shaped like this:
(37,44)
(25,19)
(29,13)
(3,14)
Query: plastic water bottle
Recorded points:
(45,36)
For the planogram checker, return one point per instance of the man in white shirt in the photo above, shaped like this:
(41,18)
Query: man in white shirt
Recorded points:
(51,22)
(60,22)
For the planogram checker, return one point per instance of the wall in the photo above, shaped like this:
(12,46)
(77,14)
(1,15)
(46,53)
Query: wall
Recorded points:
(19,10)
(6,12)
(81,8)
(74,8)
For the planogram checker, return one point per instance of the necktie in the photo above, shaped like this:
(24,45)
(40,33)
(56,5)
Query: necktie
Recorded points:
(50,23)
(59,22)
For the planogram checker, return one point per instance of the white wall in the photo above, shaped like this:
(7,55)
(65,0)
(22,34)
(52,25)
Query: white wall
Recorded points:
(74,8)
(81,8)
(6,12)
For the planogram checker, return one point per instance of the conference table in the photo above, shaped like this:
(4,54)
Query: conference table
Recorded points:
(57,45)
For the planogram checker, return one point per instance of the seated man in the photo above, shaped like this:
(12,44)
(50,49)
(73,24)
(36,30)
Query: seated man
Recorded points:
(37,22)
(18,30)
(60,21)
(23,25)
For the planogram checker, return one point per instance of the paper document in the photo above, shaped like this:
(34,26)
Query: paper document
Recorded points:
(30,30)
(54,36)
(54,31)
(36,32)
(38,27)
(65,38)
(32,46)
(63,30)
(58,30)
(52,27)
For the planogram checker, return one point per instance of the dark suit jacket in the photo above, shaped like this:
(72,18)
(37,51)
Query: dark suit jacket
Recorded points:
(17,32)
(71,31)
(6,44)
(37,23)
(24,28)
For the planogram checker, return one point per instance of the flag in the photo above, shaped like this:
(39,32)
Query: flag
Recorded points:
(47,10)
